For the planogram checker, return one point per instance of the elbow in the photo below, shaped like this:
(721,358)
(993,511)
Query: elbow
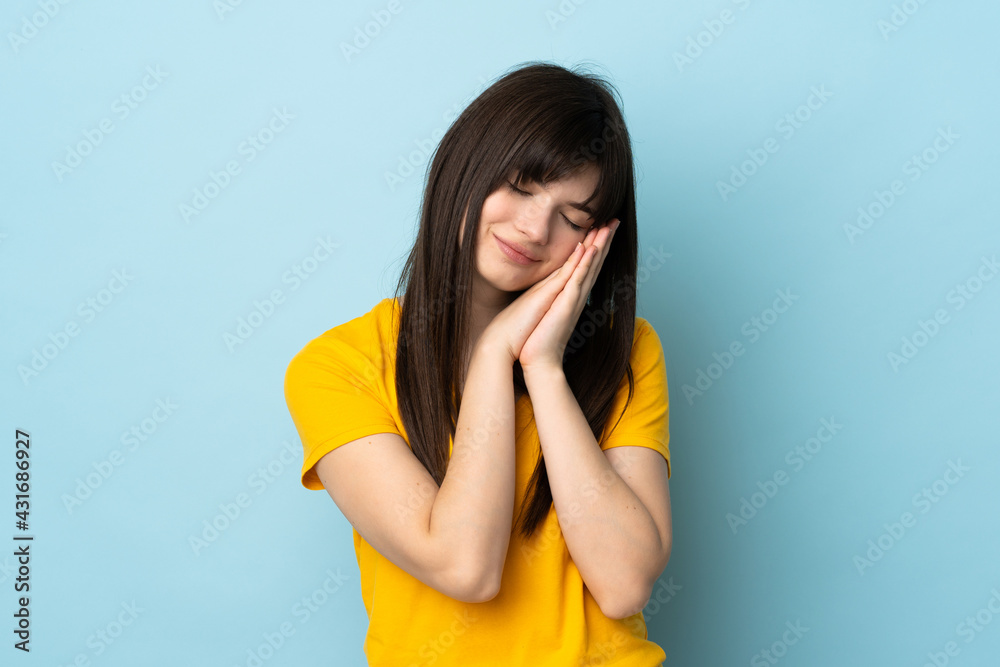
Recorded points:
(486,591)
(621,596)
(473,584)
(668,545)
(628,598)
(621,608)
(625,603)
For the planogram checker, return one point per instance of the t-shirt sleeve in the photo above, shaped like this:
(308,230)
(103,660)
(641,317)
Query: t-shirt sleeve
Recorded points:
(332,396)
(646,419)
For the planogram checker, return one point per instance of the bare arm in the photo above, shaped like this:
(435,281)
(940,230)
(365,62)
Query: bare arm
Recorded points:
(453,538)
(613,506)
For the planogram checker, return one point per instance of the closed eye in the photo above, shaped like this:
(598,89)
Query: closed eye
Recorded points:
(521,192)
(517,189)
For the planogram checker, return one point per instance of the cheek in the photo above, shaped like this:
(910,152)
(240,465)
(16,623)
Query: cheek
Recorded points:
(564,250)
(497,207)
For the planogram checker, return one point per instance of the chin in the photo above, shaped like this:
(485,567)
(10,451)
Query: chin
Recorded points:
(510,283)
(506,280)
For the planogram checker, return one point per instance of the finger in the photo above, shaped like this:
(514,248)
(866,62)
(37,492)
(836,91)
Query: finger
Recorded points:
(559,277)
(571,261)
(569,264)
(585,273)
(605,243)
(572,264)
(582,270)
(595,258)
(574,293)
(598,244)
(593,234)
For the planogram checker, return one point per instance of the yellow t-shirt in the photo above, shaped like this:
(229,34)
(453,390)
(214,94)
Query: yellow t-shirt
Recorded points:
(341,387)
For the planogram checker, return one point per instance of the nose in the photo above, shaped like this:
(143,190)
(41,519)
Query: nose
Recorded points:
(533,219)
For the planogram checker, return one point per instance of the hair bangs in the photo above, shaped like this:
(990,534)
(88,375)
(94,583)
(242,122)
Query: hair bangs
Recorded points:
(568,145)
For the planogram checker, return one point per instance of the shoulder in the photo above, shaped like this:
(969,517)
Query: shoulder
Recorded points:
(352,343)
(642,326)
(640,409)
(645,340)
(646,360)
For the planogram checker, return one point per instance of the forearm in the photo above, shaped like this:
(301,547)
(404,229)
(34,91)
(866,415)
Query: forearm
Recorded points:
(609,532)
(474,506)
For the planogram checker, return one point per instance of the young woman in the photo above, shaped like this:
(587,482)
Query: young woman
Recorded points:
(497,434)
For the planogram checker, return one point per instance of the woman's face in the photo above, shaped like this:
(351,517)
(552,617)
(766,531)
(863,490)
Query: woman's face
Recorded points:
(539,222)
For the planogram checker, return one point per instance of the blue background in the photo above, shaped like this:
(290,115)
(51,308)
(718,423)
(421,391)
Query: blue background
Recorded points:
(731,587)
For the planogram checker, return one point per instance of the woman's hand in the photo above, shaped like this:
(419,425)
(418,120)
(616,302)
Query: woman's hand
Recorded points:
(512,326)
(546,344)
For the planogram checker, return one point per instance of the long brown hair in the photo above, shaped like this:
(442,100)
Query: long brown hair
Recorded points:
(542,122)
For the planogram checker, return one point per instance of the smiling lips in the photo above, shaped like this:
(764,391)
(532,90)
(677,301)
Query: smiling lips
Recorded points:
(513,253)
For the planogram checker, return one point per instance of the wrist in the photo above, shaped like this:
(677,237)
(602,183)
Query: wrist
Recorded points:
(493,348)
(542,374)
